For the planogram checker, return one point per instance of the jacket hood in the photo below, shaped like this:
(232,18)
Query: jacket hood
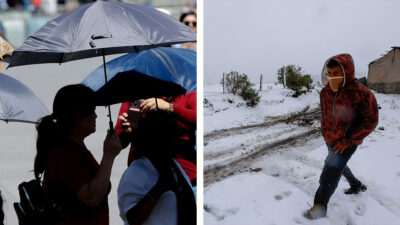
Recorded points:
(346,61)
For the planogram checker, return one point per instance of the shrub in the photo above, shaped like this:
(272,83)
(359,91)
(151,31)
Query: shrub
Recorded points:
(207,104)
(251,96)
(295,80)
(233,82)
(239,84)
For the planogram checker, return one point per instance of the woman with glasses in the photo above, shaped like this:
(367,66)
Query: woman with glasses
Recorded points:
(190,20)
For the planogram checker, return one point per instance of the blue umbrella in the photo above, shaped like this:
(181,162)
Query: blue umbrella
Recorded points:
(162,71)
(18,103)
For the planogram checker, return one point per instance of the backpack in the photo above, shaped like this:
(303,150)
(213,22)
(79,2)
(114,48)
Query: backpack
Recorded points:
(34,208)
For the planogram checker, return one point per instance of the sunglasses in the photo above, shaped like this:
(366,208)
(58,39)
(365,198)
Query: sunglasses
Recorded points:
(194,23)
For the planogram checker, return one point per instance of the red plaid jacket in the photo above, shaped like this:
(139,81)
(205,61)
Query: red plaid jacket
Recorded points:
(349,114)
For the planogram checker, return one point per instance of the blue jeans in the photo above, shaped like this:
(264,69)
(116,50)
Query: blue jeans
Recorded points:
(335,166)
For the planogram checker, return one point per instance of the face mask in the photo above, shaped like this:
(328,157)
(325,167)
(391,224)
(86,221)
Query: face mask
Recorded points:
(335,82)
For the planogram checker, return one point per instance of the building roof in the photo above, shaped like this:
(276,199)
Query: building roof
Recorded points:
(392,48)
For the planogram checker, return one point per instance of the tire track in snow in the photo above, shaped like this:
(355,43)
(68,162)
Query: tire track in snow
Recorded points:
(305,115)
(227,161)
(225,169)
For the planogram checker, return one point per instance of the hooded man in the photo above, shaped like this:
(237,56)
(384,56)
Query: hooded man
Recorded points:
(349,114)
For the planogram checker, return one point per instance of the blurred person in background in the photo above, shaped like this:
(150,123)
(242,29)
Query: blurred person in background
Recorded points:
(191,5)
(149,3)
(3,5)
(12,3)
(16,4)
(36,4)
(189,19)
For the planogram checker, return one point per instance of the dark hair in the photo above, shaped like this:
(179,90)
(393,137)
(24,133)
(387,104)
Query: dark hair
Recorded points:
(68,101)
(332,63)
(1,210)
(185,14)
(155,137)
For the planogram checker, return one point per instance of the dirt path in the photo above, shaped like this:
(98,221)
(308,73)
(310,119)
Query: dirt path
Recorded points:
(227,162)
(219,172)
(304,117)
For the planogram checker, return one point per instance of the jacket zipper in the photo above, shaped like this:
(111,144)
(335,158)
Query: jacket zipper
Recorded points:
(333,116)
(347,129)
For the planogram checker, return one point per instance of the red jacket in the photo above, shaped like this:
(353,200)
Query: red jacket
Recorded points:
(349,114)
(185,109)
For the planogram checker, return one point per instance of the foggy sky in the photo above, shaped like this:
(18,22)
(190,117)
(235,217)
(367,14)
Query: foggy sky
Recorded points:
(260,36)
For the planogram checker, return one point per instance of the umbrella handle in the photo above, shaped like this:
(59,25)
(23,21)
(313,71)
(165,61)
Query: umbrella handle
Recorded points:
(105,77)
(109,116)
(111,125)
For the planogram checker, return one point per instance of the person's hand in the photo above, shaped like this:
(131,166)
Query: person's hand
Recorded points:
(125,125)
(150,104)
(340,147)
(112,145)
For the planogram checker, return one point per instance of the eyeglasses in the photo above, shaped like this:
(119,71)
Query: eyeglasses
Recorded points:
(194,23)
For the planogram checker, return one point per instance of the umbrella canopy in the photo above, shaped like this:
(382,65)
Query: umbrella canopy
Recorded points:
(5,49)
(132,85)
(98,29)
(153,72)
(18,102)
(101,28)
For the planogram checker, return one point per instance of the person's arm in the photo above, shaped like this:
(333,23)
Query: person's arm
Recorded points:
(142,211)
(138,195)
(369,112)
(187,112)
(323,115)
(184,107)
(93,192)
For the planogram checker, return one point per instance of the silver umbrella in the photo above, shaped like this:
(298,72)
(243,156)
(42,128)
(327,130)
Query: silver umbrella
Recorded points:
(98,29)
(18,103)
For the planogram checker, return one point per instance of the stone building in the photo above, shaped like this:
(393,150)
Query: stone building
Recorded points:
(384,73)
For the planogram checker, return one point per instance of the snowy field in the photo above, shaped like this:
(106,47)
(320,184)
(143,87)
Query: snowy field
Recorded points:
(219,113)
(280,185)
(240,127)
(18,140)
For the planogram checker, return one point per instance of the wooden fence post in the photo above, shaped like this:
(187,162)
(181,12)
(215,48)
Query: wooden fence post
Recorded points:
(223,82)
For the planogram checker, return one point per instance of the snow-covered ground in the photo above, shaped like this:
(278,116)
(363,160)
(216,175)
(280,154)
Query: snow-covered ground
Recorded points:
(233,129)
(280,185)
(228,110)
